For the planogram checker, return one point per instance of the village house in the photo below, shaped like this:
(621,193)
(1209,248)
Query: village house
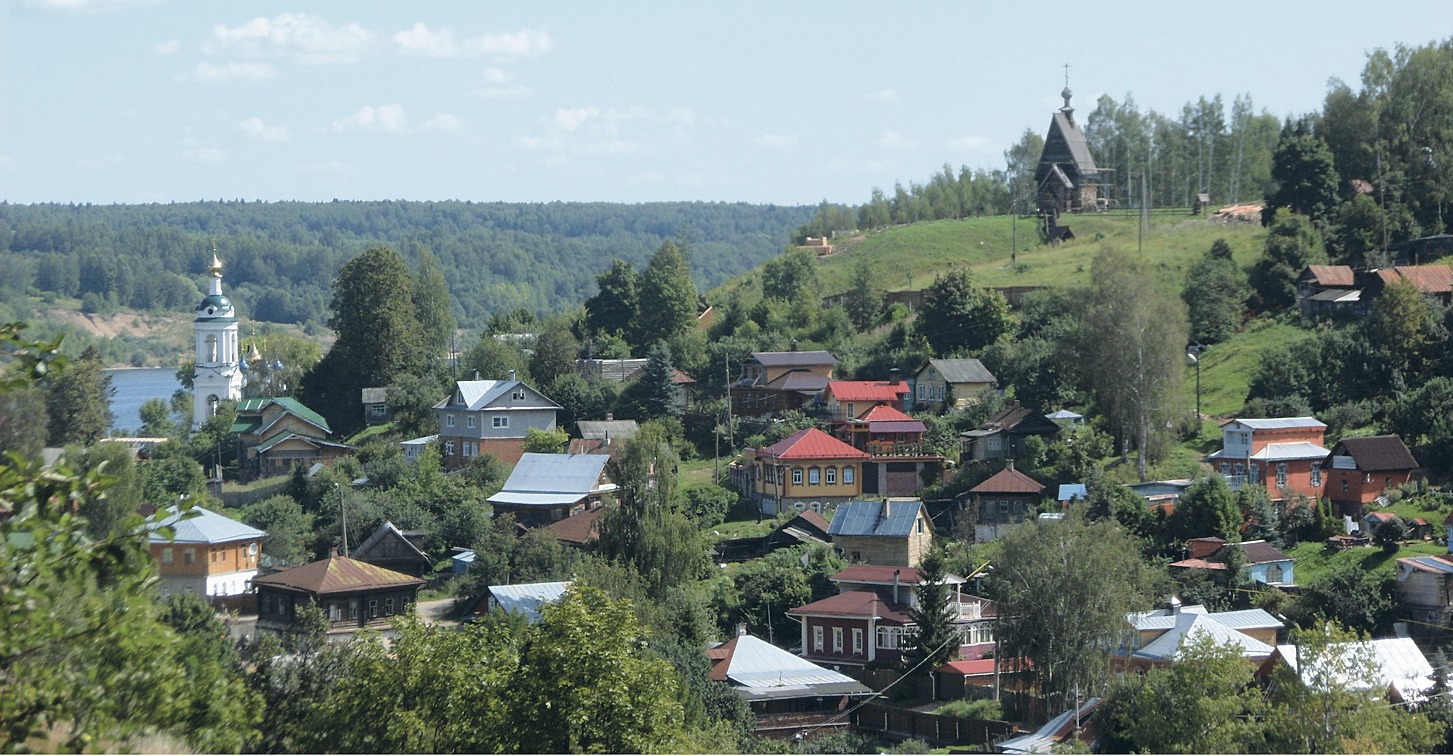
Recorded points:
(883,531)
(1329,290)
(869,622)
(773,382)
(546,488)
(1280,454)
(491,417)
(846,400)
(1002,436)
(1261,562)
(1359,469)
(208,555)
(900,463)
(1007,498)
(524,599)
(398,550)
(276,434)
(352,594)
(1398,668)
(951,384)
(807,469)
(1425,584)
(1155,638)
(602,436)
(375,405)
(787,694)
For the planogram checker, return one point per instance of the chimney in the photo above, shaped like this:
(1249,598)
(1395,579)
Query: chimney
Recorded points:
(512,375)
(1173,606)
(895,585)
(741,629)
(476,375)
(895,376)
(794,345)
(1009,464)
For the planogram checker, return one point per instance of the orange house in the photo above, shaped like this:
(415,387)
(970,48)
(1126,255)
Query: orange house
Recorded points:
(209,555)
(1280,454)
(808,468)
(1360,469)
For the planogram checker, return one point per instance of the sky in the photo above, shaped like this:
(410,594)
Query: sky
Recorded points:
(134,101)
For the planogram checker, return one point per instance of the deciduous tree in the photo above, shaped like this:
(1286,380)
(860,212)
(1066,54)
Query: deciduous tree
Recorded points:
(668,299)
(78,402)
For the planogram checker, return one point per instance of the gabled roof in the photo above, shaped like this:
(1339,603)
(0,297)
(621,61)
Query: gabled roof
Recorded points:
(759,670)
(1377,453)
(886,413)
(1074,139)
(1261,552)
(337,574)
(811,443)
(1191,626)
(480,395)
(577,529)
(797,379)
(553,479)
(890,518)
(256,405)
(1330,275)
(856,604)
(867,391)
(527,598)
(1397,663)
(618,430)
(205,527)
(1429,279)
(963,371)
(1009,480)
(1280,423)
(316,443)
(1011,418)
(793,359)
(877,574)
(387,530)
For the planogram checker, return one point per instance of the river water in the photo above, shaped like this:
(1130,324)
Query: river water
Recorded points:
(133,387)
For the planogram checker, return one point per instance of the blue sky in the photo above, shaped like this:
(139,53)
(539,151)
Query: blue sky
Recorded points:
(109,101)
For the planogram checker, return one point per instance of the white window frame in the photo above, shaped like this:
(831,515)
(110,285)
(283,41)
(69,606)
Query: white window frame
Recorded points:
(1316,474)
(1281,475)
(518,395)
(372,608)
(995,444)
(469,421)
(817,637)
(814,476)
(189,556)
(923,392)
(857,641)
(829,476)
(449,420)
(166,556)
(837,640)
(448,448)
(796,476)
(500,421)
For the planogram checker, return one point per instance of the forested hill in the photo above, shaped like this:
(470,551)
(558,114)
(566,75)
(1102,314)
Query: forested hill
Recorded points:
(281,257)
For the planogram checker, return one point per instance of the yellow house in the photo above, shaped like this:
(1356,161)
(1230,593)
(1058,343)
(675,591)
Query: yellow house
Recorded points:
(807,469)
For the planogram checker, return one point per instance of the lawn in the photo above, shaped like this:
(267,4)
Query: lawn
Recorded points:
(1314,559)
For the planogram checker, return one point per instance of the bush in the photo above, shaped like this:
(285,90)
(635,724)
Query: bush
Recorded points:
(971,708)
(707,504)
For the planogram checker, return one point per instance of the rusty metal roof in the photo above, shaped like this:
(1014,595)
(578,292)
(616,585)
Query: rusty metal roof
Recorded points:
(337,574)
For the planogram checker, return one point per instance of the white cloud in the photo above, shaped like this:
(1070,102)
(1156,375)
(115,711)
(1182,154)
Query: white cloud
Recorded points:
(89,5)
(208,72)
(255,128)
(442,43)
(501,93)
(331,167)
(498,76)
(894,141)
(882,95)
(970,144)
(204,154)
(169,47)
(445,122)
(571,119)
(298,37)
(775,141)
(589,130)
(389,118)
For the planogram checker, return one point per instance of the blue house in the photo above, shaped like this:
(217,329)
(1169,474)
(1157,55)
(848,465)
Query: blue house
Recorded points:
(1263,563)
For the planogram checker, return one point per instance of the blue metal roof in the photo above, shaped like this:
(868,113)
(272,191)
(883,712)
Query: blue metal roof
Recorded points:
(205,526)
(892,518)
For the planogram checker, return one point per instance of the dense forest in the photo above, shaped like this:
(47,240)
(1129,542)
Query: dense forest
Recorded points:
(281,257)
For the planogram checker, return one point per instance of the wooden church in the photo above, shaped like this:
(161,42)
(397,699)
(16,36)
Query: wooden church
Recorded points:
(1067,178)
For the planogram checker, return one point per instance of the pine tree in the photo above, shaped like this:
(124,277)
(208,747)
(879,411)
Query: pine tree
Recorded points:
(864,299)
(662,396)
(432,305)
(936,640)
(668,299)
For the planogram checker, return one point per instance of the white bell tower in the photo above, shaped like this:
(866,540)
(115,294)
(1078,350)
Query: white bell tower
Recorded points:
(218,376)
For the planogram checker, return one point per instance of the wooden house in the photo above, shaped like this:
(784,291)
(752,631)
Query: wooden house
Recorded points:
(602,436)
(846,400)
(900,461)
(1360,468)
(525,599)
(1280,454)
(773,382)
(276,434)
(398,550)
(1002,436)
(807,469)
(1156,638)
(951,384)
(375,406)
(352,594)
(1008,497)
(546,488)
(884,531)
(1261,562)
(209,555)
(788,695)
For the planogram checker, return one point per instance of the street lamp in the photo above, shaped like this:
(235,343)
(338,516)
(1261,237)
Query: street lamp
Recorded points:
(1193,352)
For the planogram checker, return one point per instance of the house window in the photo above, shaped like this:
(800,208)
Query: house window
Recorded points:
(851,413)
(994,444)
(379,410)
(252,549)
(449,420)
(848,473)
(796,476)
(1316,474)
(890,637)
(1245,438)
(335,611)
(166,556)
(518,395)
(857,641)
(1344,485)
(264,605)
(372,608)
(831,474)
(469,421)
(1281,475)
(388,606)
(817,637)
(922,392)
(353,609)
(837,640)
(1255,473)
(1225,468)
(448,448)
(501,421)
(1274,574)
(471,448)
(814,476)
(189,556)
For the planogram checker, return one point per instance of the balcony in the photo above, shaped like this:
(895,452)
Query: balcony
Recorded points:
(899,449)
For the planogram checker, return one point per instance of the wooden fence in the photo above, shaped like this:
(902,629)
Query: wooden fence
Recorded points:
(933,728)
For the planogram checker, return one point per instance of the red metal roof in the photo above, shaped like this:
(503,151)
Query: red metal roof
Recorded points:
(855,604)
(337,574)
(882,412)
(811,443)
(1332,275)
(1430,279)
(1009,480)
(867,391)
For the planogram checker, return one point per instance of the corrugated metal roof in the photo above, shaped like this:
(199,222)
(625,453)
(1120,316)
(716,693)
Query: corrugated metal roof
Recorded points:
(337,574)
(618,430)
(856,604)
(478,395)
(205,527)
(1009,480)
(1290,451)
(881,574)
(1427,564)
(1246,619)
(882,412)
(1374,453)
(1396,662)
(1429,279)
(1191,626)
(866,391)
(963,371)
(1072,492)
(556,473)
(527,598)
(1278,423)
(892,518)
(1332,275)
(811,443)
(762,670)
(787,359)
